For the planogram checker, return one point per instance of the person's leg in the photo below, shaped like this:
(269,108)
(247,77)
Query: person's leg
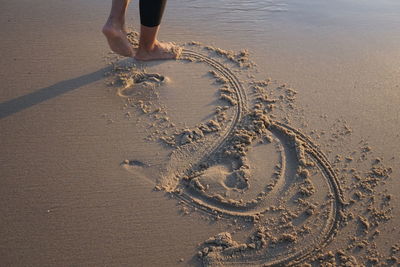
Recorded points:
(150,48)
(115,31)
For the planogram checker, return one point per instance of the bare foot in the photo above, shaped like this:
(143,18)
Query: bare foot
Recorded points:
(160,51)
(116,37)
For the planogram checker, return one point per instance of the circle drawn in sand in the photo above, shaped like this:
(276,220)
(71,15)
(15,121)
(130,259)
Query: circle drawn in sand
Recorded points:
(293,220)
(247,167)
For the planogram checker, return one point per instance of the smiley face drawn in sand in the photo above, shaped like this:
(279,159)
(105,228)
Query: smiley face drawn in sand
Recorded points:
(246,167)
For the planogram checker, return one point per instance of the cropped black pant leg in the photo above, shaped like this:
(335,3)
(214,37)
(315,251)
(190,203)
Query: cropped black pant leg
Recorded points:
(151,12)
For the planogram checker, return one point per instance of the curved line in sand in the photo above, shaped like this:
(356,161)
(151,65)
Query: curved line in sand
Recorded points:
(213,207)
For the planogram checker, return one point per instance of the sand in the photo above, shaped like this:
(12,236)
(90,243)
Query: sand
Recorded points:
(238,154)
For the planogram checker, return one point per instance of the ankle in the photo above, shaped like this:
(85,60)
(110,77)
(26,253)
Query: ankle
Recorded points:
(148,47)
(115,22)
(143,51)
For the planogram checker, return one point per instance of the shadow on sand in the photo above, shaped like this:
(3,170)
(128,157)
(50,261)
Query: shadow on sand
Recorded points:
(23,102)
(18,104)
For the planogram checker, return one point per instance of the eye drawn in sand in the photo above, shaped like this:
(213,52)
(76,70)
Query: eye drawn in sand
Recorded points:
(246,166)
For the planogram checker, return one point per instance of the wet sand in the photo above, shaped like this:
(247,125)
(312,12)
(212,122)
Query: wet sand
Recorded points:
(81,156)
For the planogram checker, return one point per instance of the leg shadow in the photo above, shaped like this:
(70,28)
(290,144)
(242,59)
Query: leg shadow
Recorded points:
(18,104)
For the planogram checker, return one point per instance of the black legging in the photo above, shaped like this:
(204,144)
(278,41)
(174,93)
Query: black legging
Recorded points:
(151,12)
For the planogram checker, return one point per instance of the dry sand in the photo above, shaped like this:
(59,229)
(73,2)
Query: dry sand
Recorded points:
(205,160)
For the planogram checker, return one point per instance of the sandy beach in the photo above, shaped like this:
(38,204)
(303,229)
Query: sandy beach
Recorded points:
(273,140)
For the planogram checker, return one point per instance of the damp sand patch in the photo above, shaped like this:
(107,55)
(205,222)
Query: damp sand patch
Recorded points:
(243,164)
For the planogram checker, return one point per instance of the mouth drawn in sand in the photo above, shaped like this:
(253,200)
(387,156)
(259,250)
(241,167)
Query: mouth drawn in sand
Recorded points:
(246,166)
